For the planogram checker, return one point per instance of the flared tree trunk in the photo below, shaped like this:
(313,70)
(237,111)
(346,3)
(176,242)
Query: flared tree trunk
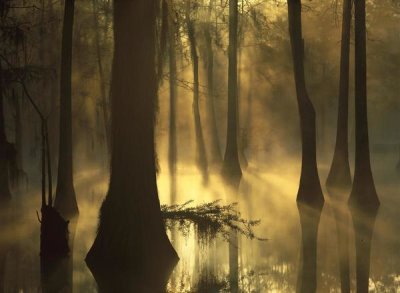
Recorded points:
(5,194)
(131,234)
(310,187)
(65,201)
(201,156)
(215,151)
(363,191)
(339,174)
(172,147)
(231,167)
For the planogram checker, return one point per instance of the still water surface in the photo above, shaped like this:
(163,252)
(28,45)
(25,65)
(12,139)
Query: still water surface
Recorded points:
(274,265)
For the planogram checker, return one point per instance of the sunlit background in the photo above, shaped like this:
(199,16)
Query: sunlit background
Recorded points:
(269,144)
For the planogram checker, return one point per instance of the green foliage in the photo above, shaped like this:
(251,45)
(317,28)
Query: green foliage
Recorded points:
(209,219)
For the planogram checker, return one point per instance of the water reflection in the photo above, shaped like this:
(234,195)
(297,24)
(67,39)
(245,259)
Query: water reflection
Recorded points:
(326,238)
(310,216)
(56,272)
(364,222)
(342,221)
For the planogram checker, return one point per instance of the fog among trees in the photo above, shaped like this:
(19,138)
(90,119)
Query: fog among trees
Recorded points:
(199,146)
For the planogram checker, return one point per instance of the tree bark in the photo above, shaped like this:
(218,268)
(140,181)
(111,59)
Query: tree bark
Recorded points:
(172,146)
(216,157)
(363,191)
(231,166)
(104,100)
(131,234)
(339,174)
(310,187)
(65,200)
(5,194)
(200,146)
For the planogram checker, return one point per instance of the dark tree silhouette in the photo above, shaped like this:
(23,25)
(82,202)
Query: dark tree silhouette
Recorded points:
(172,146)
(131,234)
(216,157)
(5,193)
(339,174)
(310,187)
(103,93)
(363,191)
(65,200)
(201,156)
(231,166)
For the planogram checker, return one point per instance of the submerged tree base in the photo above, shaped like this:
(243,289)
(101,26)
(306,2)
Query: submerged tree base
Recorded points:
(232,173)
(130,239)
(66,203)
(53,234)
(364,195)
(310,192)
(339,177)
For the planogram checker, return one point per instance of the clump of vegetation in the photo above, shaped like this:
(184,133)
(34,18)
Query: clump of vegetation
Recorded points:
(209,219)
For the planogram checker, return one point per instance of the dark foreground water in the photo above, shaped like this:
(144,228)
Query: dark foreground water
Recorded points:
(275,265)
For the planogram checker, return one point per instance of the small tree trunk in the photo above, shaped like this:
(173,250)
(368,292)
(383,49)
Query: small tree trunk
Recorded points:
(5,194)
(201,150)
(216,157)
(310,187)
(102,83)
(363,191)
(231,166)
(65,200)
(172,147)
(339,174)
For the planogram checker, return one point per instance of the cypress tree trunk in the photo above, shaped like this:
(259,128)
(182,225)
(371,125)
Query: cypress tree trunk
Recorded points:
(131,234)
(5,194)
(231,167)
(339,174)
(216,157)
(201,150)
(310,187)
(363,191)
(102,83)
(65,200)
(172,147)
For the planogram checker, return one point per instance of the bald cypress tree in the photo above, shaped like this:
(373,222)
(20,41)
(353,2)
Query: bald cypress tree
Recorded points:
(5,194)
(339,173)
(310,188)
(131,233)
(65,200)
(231,167)
(363,190)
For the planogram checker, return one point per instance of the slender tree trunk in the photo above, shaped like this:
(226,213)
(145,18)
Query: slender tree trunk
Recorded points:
(310,187)
(5,194)
(216,157)
(201,150)
(363,191)
(65,200)
(339,174)
(102,83)
(172,147)
(131,234)
(231,167)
